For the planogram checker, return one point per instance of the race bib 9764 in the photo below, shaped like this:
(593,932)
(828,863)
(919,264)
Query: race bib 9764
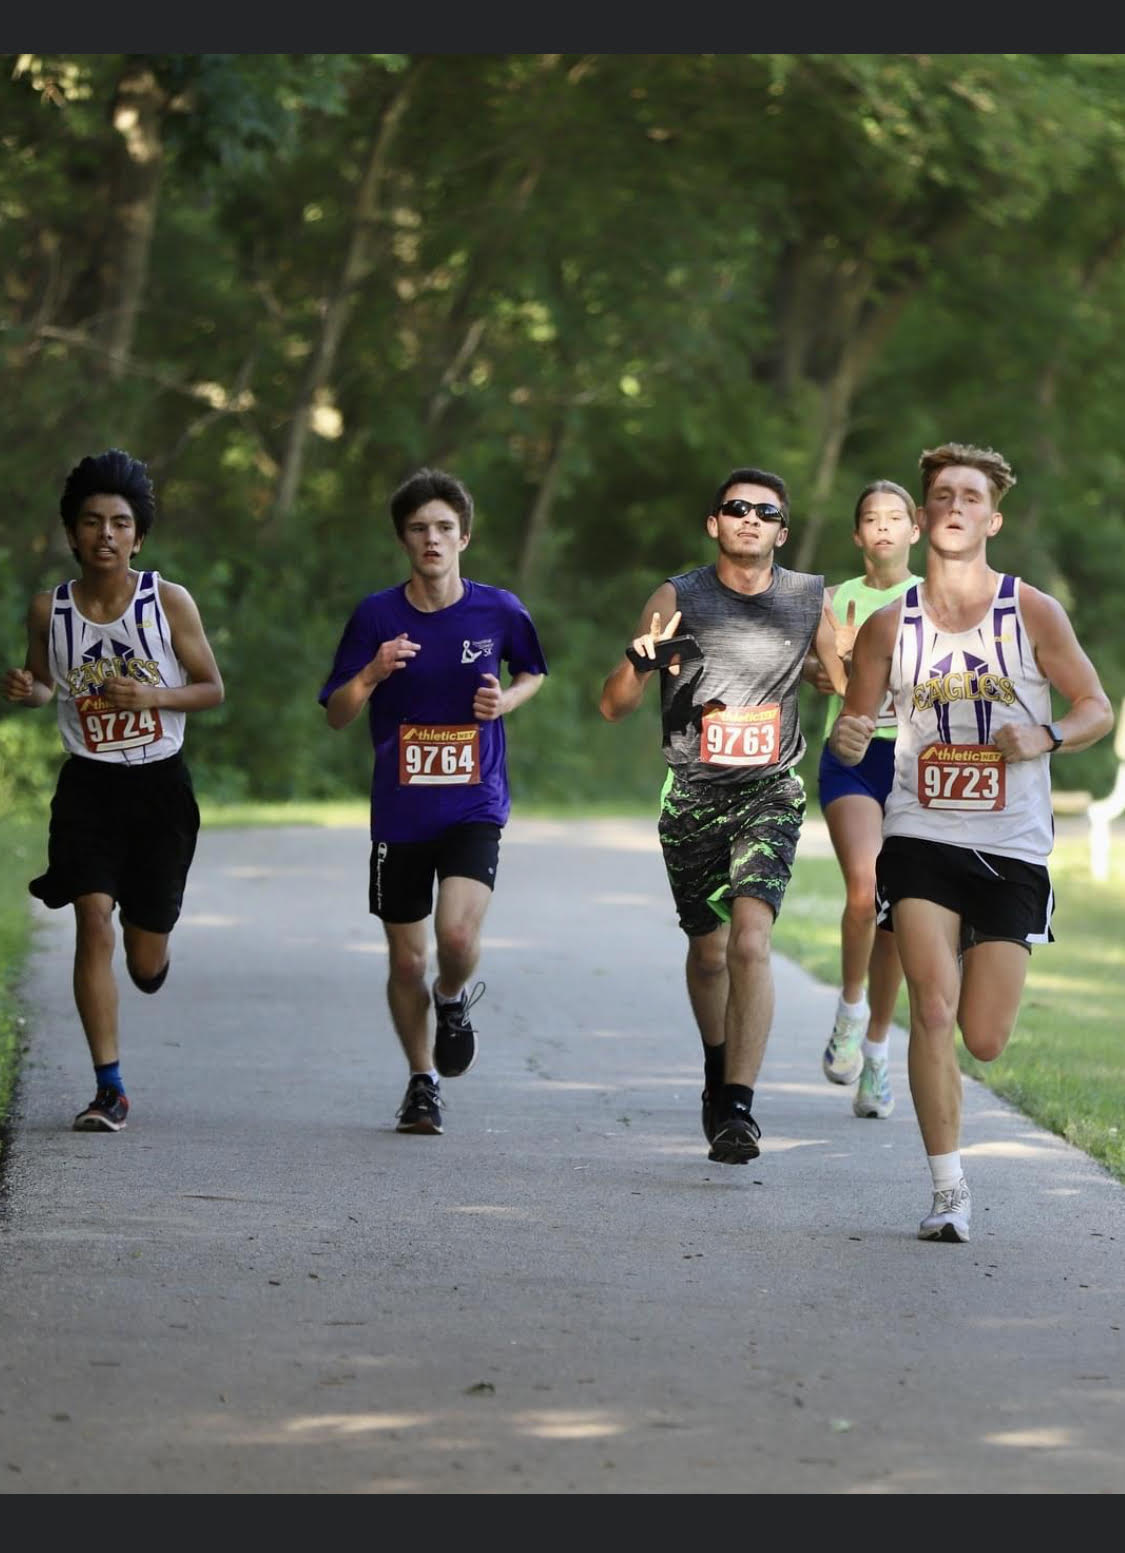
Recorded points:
(438,754)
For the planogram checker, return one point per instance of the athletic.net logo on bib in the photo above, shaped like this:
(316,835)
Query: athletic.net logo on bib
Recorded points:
(438,754)
(961,776)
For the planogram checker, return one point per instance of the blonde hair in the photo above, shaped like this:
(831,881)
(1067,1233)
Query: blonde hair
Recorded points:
(992,465)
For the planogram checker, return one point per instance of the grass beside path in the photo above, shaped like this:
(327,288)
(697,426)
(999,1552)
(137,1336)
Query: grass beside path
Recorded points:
(23,850)
(1063,1066)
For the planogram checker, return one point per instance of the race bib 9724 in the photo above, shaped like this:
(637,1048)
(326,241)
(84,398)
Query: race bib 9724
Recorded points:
(106,729)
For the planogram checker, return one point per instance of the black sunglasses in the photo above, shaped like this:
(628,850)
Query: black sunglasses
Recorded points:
(737,508)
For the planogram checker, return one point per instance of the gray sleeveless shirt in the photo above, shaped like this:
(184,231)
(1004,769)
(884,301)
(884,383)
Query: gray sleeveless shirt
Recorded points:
(753,648)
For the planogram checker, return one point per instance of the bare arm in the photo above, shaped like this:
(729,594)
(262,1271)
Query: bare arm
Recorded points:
(826,642)
(624,689)
(866,687)
(32,685)
(491,701)
(1062,659)
(190,644)
(348,700)
(812,670)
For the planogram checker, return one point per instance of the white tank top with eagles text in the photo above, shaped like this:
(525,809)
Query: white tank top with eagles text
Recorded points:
(953,690)
(83,653)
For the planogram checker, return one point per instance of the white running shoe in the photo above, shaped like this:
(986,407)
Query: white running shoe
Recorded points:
(843,1056)
(874,1096)
(949,1217)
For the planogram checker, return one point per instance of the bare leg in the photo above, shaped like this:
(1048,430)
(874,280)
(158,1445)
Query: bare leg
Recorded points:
(146,954)
(751,999)
(407,993)
(991,988)
(95,987)
(461,907)
(708,983)
(855,824)
(928,937)
(884,977)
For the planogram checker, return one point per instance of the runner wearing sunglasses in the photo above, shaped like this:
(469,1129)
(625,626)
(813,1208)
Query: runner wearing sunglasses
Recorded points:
(732,803)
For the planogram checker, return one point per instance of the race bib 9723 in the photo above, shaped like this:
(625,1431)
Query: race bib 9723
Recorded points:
(961,776)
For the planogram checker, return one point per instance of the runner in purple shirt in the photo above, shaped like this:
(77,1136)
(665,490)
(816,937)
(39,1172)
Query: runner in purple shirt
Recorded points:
(425,658)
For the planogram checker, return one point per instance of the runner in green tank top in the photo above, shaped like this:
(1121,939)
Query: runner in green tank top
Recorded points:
(851,800)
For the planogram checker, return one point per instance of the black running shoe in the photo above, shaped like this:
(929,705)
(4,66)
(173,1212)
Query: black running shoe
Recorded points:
(736,1137)
(105,1113)
(708,1116)
(420,1110)
(455,1042)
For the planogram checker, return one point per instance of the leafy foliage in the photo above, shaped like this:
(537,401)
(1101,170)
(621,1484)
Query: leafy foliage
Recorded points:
(590,284)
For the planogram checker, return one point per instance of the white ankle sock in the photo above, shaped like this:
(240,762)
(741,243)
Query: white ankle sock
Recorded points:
(875,1051)
(945,1169)
(852,1010)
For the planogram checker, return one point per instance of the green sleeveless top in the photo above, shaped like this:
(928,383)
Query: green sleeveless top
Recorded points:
(867,600)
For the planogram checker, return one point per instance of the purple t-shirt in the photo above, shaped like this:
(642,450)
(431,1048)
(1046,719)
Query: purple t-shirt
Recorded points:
(487,626)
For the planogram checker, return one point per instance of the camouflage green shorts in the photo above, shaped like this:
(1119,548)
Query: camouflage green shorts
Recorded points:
(720,841)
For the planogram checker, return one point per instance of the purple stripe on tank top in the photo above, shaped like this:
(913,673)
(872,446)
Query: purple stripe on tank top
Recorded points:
(145,595)
(64,612)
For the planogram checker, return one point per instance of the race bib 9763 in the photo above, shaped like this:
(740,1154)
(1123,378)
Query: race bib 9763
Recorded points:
(740,735)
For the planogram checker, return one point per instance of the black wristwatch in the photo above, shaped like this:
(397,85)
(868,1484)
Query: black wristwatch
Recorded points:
(1054,735)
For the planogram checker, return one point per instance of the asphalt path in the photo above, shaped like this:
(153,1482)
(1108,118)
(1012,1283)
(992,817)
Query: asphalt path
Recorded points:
(261,1288)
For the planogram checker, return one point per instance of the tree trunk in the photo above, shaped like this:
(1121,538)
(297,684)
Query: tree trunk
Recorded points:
(464,323)
(863,331)
(538,523)
(357,266)
(139,105)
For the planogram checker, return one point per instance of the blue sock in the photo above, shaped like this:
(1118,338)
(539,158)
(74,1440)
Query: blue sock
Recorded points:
(109,1076)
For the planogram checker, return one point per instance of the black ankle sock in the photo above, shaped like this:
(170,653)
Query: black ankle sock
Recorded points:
(151,983)
(742,1092)
(714,1058)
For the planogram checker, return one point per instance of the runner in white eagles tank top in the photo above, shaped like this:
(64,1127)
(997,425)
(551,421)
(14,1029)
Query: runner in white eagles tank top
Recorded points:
(126,654)
(971,657)
(953,692)
(83,654)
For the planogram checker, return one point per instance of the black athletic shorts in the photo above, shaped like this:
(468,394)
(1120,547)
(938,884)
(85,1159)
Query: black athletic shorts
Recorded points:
(124,831)
(995,897)
(401,886)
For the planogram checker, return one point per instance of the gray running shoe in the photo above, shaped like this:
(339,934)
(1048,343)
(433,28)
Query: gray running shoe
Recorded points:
(949,1217)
